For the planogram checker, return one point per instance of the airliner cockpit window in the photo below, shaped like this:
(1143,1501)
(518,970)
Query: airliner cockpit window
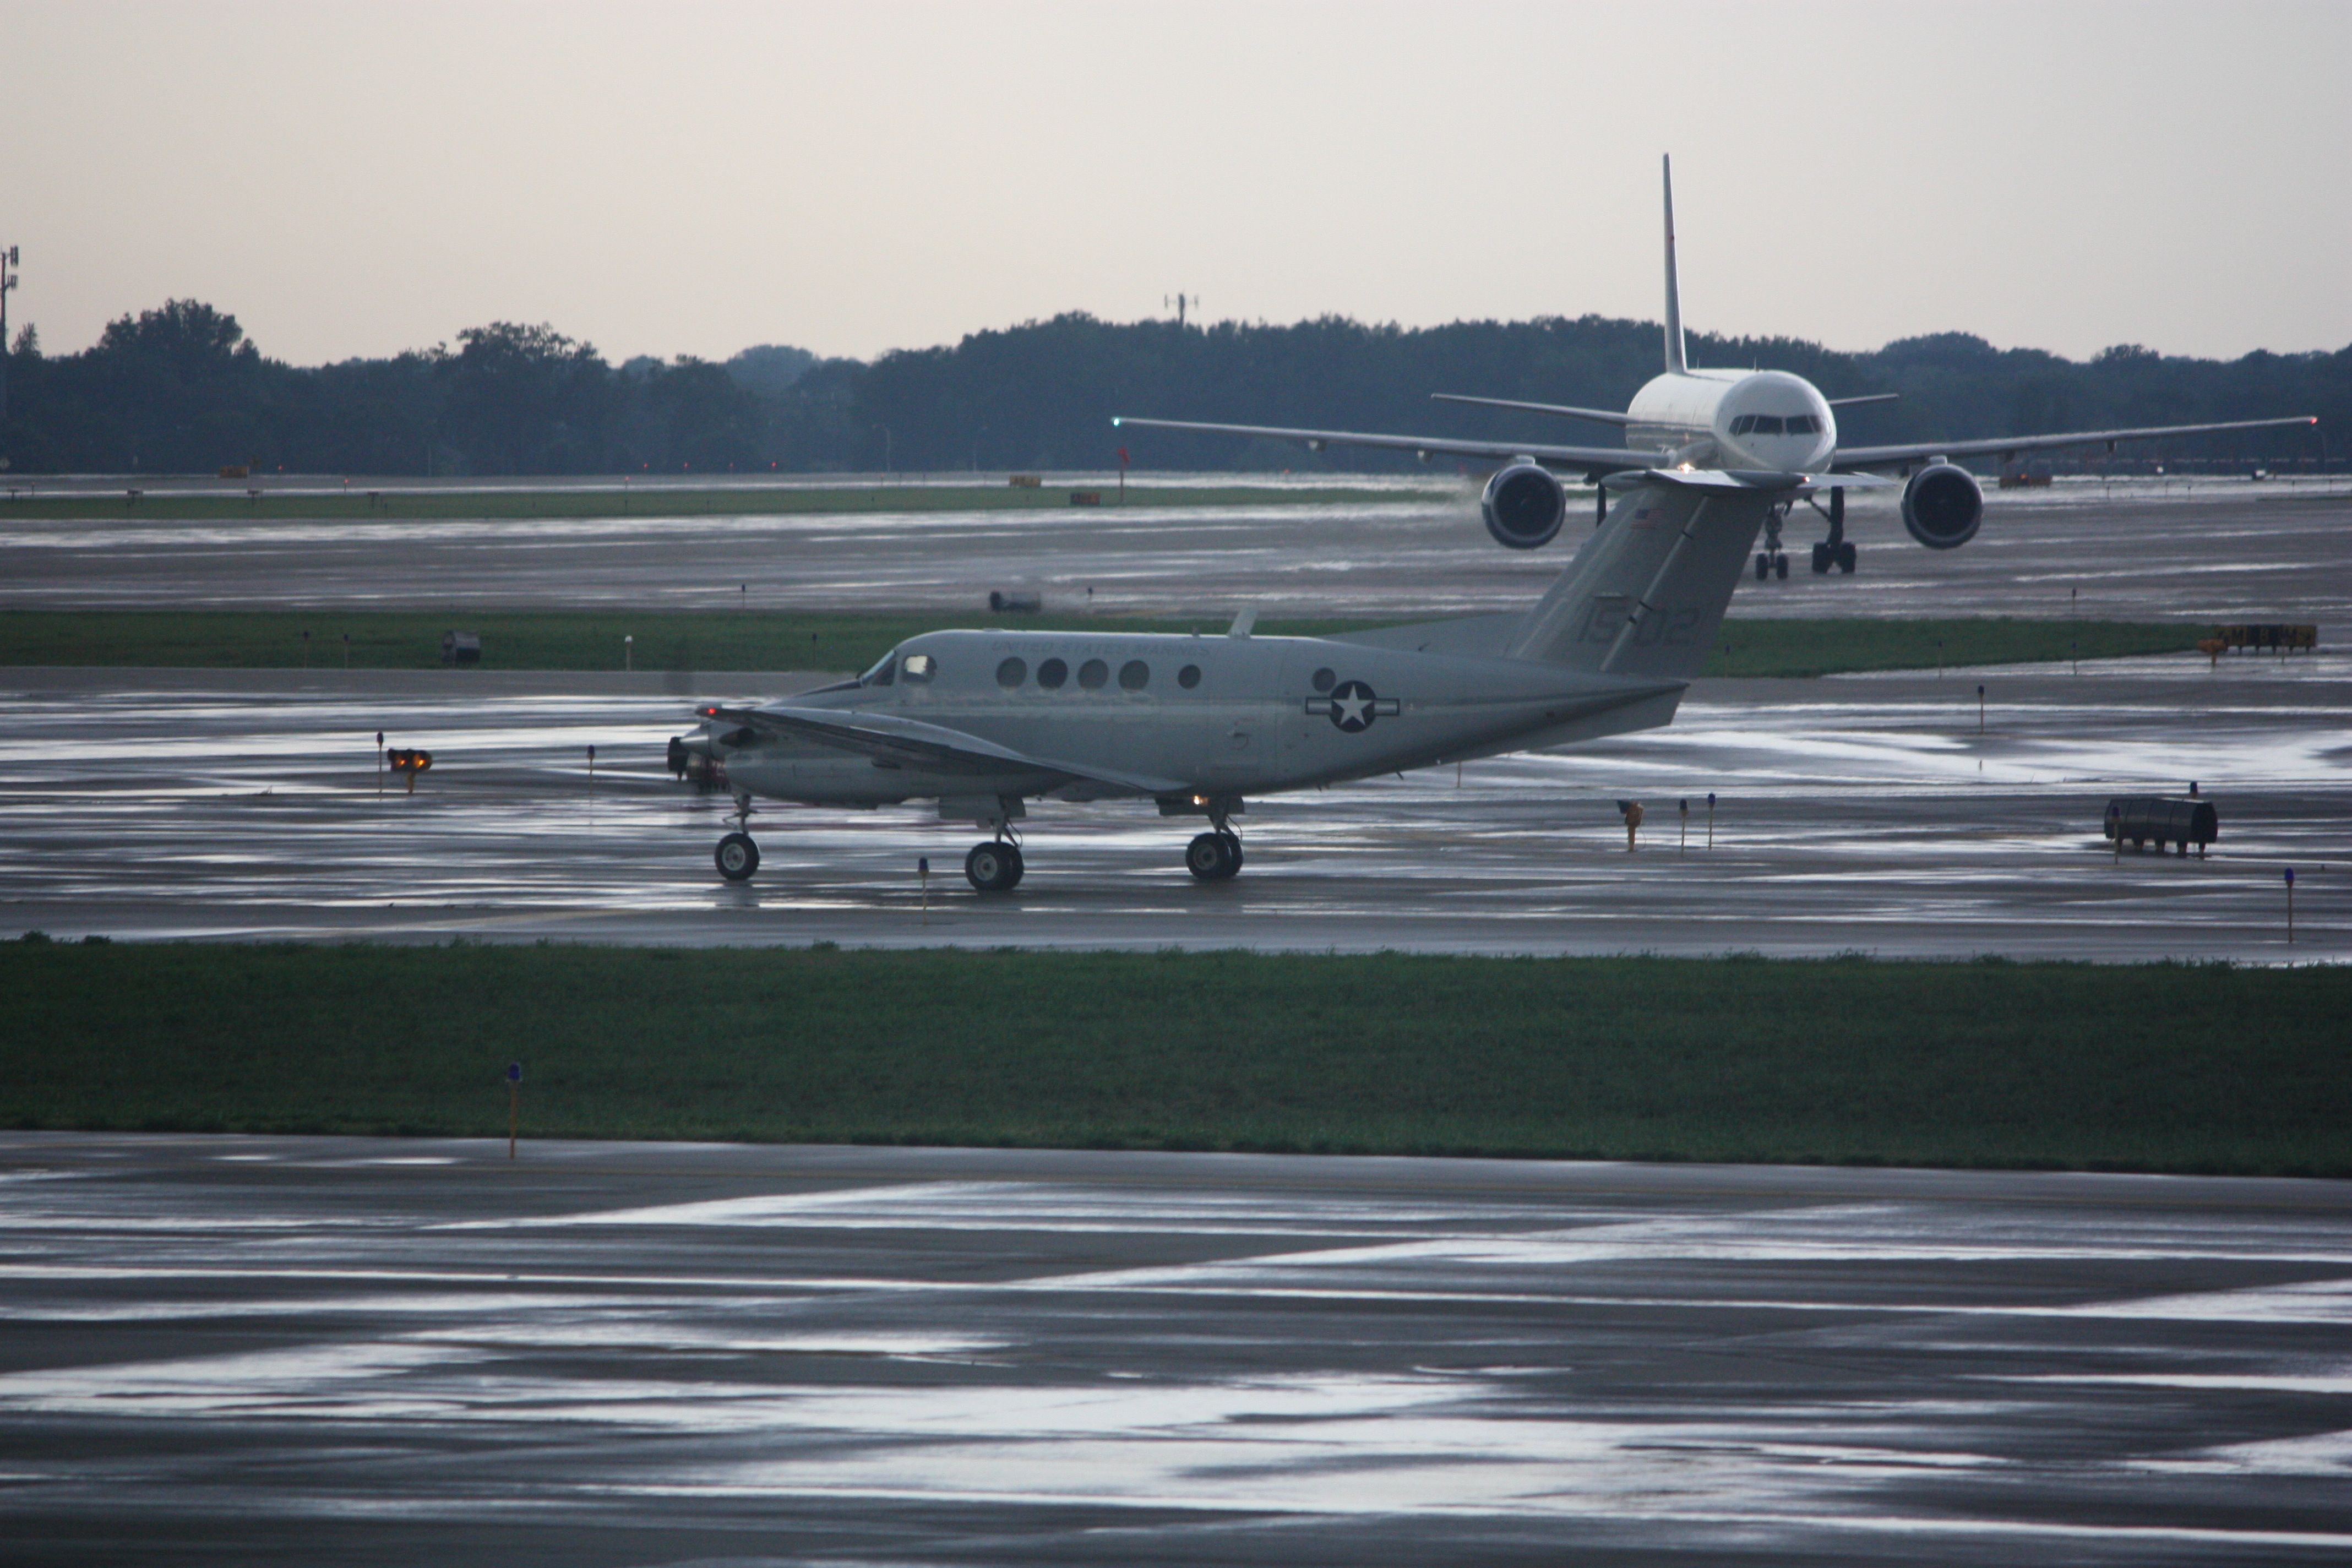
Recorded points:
(1743,424)
(1767,424)
(882,674)
(918,666)
(1804,425)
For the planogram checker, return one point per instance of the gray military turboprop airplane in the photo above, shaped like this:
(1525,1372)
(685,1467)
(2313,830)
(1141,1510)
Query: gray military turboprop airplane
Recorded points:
(983,721)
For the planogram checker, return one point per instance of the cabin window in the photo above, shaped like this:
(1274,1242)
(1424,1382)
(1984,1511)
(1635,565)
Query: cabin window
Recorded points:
(882,674)
(1093,674)
(1189,676)
(1012,673)
(1325,679)
(1134,675)
(918,666)
(1052,673)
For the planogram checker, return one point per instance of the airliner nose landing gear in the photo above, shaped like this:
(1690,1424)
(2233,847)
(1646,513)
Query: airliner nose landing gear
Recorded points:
(737,856)
(1772,560)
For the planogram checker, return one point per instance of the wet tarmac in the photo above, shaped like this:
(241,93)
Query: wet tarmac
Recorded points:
(2218,549)
(1854,814)
(264,1351)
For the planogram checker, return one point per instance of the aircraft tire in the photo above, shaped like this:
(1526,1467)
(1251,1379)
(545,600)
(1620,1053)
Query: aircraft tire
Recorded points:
(992,868)
(1763,566)
(1213,857)
(1781,567)
(1845,556)
(1822,553)
(737,856)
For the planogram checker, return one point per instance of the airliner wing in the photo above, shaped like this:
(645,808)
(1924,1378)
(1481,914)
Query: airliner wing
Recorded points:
(1598,416)
(914,743)
(2008,447)
(1596,460)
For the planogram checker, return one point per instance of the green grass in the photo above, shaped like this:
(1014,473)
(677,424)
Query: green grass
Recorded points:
(1828,646)
(2163,1067)
(233,504)
(722,640)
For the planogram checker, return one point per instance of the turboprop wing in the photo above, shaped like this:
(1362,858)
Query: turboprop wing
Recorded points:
(911,742)
(1593,459)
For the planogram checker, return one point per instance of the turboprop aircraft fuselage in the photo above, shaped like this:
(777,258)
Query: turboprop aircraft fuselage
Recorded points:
(1175,715)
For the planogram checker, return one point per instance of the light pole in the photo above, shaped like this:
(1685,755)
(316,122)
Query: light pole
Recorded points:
(8,285)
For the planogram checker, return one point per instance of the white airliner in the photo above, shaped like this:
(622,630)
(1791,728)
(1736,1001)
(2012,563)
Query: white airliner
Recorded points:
(1743,421)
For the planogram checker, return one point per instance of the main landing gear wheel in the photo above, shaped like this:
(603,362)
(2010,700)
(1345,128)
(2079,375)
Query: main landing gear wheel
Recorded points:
(1213,857)
(993,867)
(738,856)
(1844,552)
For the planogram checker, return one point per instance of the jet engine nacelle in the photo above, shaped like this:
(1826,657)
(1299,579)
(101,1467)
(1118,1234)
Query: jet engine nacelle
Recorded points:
(1942,506)
(1524,506)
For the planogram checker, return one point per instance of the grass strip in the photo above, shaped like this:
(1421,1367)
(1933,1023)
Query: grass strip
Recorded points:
(743,640)
(1806,647)
(360,504)
(2155,1068)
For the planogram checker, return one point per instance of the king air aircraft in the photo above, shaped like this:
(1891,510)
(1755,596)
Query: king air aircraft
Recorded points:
(983,721)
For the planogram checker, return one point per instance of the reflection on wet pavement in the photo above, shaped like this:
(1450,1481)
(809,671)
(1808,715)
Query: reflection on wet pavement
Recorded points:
(633,1354)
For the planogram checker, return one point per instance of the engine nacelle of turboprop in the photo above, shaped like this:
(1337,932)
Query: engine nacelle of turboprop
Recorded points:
(1524,506)
(1942,506)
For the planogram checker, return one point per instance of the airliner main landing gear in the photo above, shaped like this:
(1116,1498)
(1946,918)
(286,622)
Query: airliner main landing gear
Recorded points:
(1837,550)
(737,856)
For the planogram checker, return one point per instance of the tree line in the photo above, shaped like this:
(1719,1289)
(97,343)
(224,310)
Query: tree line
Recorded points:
(179,389)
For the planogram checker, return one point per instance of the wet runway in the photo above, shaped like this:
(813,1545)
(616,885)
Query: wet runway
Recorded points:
(1855,812)
(2212,549)
(279,1351)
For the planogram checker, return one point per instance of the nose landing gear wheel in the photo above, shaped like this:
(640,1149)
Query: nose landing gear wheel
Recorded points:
(738,856)
(1213,857)
(993,867)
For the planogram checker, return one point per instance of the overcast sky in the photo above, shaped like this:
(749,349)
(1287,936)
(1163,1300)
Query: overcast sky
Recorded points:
(353,178)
